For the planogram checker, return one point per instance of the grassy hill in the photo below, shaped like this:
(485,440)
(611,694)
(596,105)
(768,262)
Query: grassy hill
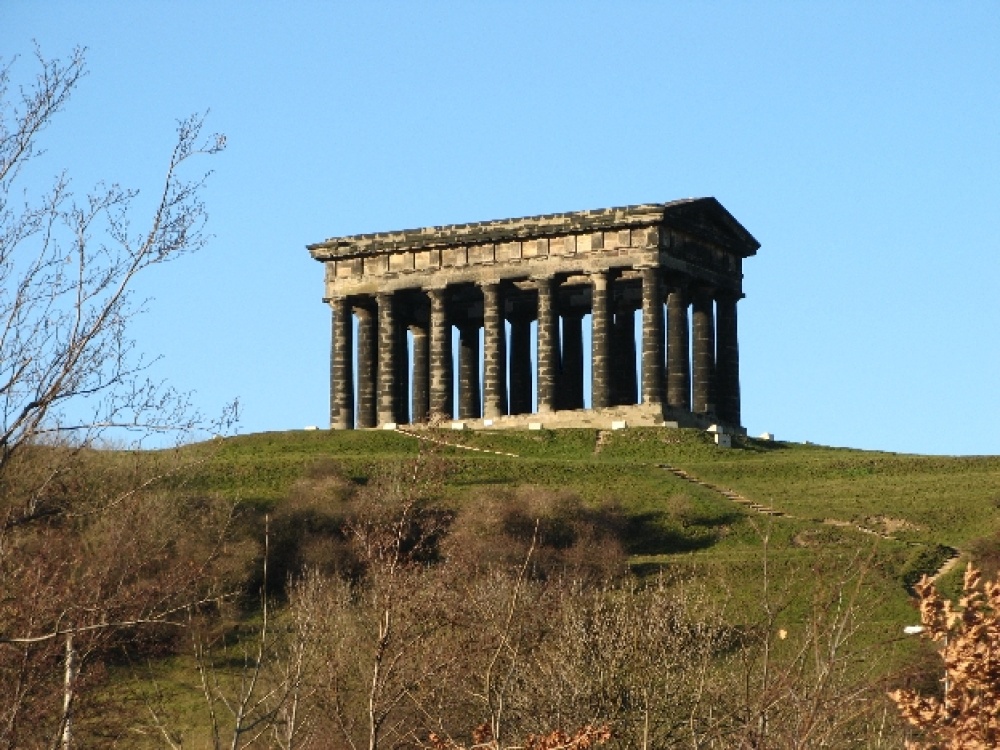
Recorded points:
(831,498)
(858,525)
(916,499)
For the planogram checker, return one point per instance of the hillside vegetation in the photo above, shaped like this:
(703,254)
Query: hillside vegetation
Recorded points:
(522,582)
(829,496)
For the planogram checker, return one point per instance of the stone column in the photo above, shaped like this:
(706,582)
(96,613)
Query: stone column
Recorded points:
(421,373)
(623,376)
(494,353)
(703,351)
(440,356)
(388,350)
(520,365)
(727,365)
(600,361)
(342,367)
(402,371)
(548,346)
(571,387)
(468,371)
(678,345)
(652,337)
(367,412)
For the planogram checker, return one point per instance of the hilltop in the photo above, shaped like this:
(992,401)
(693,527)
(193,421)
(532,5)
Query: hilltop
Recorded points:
(647,556)
(687,503)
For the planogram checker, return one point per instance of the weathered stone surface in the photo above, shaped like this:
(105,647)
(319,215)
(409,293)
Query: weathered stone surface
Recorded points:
(494,353)
(703,351)
(520,365)
(678,357)
(387,353)
(548,347)
(421,373)
(600,340)
(367,413)
(571,379)
(652,338)
(342,366)
(727,365)
(408,290)
(624,386)
(468,372)
(441,361)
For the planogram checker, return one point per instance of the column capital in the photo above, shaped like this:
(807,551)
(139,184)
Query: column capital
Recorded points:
(599,278)
(679,282)
(728,295)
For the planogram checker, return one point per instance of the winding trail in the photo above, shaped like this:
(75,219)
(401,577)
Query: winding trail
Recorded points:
(733,495)
(438,441)
(727,493)
(765,510)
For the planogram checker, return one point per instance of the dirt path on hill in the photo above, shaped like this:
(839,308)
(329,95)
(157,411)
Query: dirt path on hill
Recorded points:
(765,510)
(729,494)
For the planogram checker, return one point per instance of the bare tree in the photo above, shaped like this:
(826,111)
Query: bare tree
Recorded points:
(262,701)
(68,264)
(74,570)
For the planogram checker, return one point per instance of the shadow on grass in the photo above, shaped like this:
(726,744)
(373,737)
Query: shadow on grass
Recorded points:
(753,445)
(657,533)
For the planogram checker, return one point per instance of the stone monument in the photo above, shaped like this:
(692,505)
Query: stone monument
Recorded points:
(499,307)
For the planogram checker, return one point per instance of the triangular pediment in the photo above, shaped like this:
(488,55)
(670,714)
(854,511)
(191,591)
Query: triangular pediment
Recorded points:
(708,220)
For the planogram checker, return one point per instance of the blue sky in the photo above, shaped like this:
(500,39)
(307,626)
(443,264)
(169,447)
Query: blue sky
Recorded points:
(859,142)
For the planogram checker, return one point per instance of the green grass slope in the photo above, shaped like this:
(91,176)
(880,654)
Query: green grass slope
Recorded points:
(919,502)
(883,516)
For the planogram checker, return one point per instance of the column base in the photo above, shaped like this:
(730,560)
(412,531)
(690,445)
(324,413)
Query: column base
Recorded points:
(635,415)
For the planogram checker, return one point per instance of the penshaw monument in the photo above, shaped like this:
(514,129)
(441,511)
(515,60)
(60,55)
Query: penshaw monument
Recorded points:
(486,323)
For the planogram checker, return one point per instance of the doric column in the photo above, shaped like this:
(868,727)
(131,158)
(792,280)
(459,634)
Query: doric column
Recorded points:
(703,351)
(600,361)
(571,385)
(623,373)
(494,353)
(727,365)
(468,371)
(520,365)
(367,412)
(548,346)
(388,350)
(440,355)
(421,373)
(402,371)
(342,367)
(678,343)
(652,337)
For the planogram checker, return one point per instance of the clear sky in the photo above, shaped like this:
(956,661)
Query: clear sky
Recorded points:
(859,142)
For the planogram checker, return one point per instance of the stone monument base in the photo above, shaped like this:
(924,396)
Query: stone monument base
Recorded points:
(637,415)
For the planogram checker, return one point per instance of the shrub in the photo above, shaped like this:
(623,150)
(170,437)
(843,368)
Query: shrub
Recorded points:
(967,715)
(569,537)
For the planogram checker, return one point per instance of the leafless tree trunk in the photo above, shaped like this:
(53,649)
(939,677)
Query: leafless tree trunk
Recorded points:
(72,668)
(68,264)
(71,375)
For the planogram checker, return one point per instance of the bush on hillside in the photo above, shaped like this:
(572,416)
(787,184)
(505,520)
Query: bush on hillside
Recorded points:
(967,715)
